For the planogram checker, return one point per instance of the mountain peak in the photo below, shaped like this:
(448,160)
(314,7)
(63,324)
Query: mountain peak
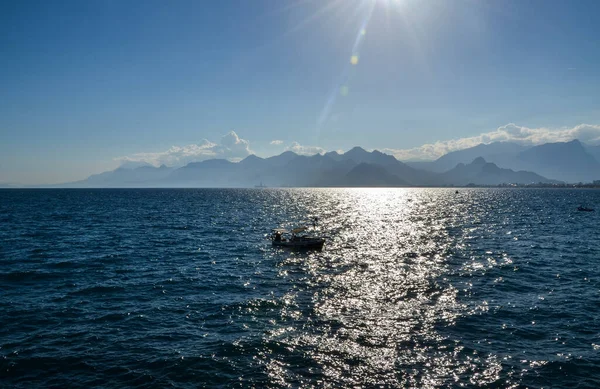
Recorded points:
(480,172)
(282,159)
(252,158)
(479,161)
(358,154)
(566,161)
(356,150)
(286,154)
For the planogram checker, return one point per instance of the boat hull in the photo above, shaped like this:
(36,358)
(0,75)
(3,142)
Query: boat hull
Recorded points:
(306,244)
(584,209)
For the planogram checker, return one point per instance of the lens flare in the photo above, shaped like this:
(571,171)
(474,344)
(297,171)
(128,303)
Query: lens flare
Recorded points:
(342,83)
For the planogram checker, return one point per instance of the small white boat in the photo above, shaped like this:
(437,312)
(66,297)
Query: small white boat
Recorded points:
(296,239)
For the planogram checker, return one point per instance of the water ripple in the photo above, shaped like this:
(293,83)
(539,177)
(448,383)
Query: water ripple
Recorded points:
(416,288)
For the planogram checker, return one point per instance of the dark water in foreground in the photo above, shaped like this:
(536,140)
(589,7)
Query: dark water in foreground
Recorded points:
(415,288)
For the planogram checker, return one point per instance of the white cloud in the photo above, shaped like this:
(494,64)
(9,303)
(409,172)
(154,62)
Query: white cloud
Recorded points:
(305,150)
(232,147)
(588,133)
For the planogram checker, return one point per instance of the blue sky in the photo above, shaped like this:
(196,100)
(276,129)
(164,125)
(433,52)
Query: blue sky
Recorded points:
(86,85)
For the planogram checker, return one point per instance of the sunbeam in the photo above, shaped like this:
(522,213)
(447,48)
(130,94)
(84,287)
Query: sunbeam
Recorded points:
(342,85)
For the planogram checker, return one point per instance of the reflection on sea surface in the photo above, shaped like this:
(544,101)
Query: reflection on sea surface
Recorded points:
(379,306)
(414,288)
(377,294)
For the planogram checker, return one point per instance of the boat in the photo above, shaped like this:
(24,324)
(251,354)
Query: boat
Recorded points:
(260,186)
(585,209)
(296,239)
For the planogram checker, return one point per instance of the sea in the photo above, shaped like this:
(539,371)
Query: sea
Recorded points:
(414,288)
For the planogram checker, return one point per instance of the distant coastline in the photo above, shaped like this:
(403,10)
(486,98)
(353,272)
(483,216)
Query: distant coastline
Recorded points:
(501,186)
(553,165)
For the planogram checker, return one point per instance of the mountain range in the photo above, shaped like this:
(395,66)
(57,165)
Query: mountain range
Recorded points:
(480,172)
(564,161)
(355,168)
(485,164)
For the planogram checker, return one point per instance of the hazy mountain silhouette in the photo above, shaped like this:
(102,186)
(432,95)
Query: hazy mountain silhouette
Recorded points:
(306,171)
(371,175)
(253,162)
(283,158)
(564,161)
(209,173)
(134,165)
(501,153)
(480,172)
(357,167)
(334,169)
(407,174)
(123,177)
(594,151)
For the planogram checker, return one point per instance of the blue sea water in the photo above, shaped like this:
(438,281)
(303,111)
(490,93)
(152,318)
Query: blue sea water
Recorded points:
(415,288)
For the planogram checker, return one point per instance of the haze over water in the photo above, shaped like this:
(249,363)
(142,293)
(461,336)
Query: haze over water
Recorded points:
(415,288)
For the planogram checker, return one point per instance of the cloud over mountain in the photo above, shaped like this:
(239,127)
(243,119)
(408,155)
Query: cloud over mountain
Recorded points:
(232,147)
(304,150)
(587,133)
